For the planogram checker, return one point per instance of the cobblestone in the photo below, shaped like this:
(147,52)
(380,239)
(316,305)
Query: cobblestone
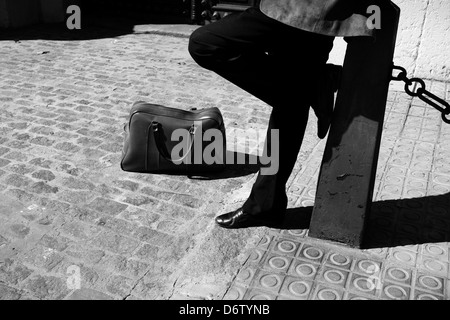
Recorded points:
(88,294)
(119,286)
(12,272)
(56,242)
(20,230)
(114,242)
(45,175)
(42,257)
(147,252)
(47,287)
(84,254)
(42,187)
(107,206)
(125,266)
(8,293)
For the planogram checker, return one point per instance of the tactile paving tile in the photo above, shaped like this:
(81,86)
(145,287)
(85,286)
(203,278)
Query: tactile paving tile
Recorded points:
(399,275)
(307,269)
(327,293)
(304,269)
(236,292)
(256,294)
(430,283)
(297,288)
(295,234)
(407,238)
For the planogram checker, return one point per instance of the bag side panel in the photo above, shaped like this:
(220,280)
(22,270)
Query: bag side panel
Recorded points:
(135,150)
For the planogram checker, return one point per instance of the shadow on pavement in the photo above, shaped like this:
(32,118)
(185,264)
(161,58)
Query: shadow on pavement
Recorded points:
(393,223)
(408,222)
(96,23)
(297,218)
(244,164)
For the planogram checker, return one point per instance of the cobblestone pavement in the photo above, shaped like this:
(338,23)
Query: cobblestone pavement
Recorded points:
(67,207)
(66,202)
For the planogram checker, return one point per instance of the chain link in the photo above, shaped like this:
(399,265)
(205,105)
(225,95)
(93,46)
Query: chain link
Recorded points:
(419,90)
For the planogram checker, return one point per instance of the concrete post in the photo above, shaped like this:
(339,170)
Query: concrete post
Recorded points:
(347,175)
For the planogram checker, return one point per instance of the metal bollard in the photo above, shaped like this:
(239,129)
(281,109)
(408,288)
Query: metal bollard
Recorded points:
(347,174)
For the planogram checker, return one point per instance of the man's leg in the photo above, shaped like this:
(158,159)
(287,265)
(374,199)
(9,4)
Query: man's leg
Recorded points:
(277,64)
(268,195)
(272,61)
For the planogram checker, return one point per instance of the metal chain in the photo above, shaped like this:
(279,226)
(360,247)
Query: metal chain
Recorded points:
(419,90)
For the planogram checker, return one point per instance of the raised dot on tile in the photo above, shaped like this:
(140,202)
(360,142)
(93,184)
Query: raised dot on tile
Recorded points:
(244,275)
(312,253)
(265,240)
(416,183)
(395,292)
(328,294)
(435,266)
(434,250)
(415,193)
(278,262)
(364,284)
(394,179)
(397,170)
(334,276)
(233,294)
(440,188)
(418,174)
(269,281)
(384,208)
(438,210)
(377,251)
(382,222)
(260,296)
(442,179)
(311,193)
(358,298)
(435,235)
(286,246)
(426,296)
(392,189)
(307,203)
(430,282)
(305,269)
(299,288)
(413,216)
(297,233)
(398,274)
(404,256)
(368,266)
(255,256)
(339,259)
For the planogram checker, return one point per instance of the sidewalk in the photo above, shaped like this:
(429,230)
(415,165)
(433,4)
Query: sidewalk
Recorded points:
(66,207)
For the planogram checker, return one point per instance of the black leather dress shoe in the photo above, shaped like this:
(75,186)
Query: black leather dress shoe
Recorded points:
(240,219)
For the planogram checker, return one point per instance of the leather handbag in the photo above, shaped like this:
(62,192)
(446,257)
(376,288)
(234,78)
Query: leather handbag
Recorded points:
(159,139)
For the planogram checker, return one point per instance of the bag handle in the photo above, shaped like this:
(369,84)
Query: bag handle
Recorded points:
(161,146)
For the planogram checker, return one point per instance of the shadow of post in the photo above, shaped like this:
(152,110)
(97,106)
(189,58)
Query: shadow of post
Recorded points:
(408,222)
(393,223)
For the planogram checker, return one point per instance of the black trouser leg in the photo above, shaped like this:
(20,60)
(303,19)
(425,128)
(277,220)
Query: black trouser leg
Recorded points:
(268,193)
(277,64)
